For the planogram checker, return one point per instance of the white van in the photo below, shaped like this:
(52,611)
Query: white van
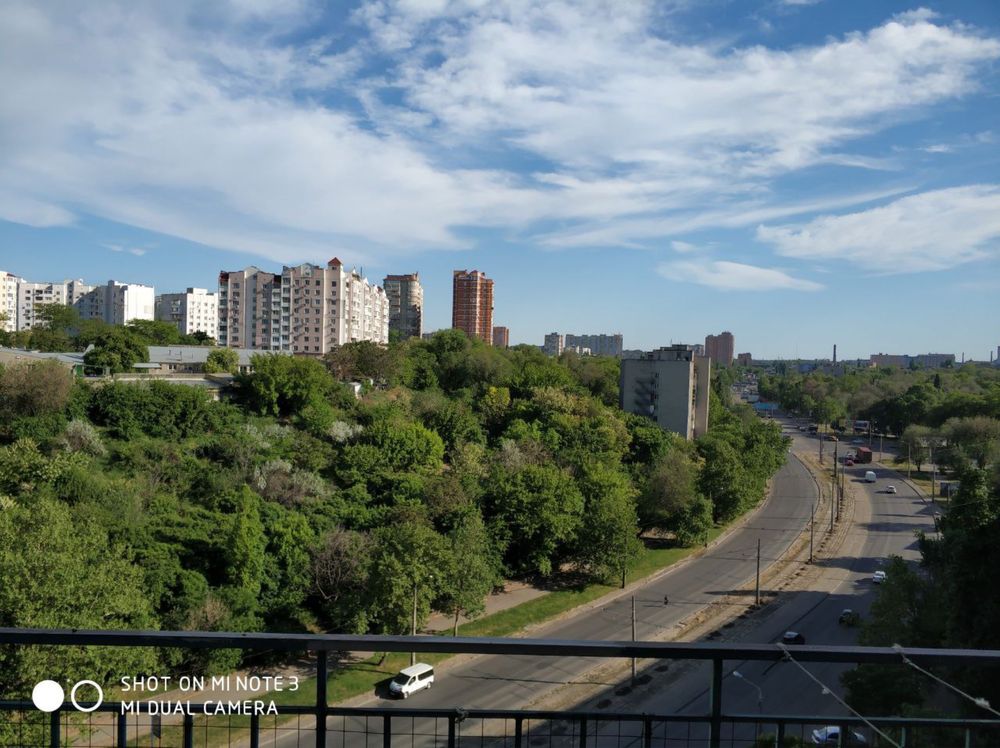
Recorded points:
(870,476)
(411,679)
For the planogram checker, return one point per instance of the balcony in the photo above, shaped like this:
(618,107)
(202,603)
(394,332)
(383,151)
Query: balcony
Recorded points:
(317,723)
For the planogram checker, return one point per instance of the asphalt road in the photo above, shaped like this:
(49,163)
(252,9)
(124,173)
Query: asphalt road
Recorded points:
(508,682)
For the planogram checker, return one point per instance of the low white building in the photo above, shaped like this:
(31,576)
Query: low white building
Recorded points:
(195,310)
(118,303)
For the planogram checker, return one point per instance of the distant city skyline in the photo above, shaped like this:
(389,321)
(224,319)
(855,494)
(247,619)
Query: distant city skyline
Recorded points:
(802,174)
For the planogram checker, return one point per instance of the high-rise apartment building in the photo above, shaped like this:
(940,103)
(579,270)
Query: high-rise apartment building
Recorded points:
(720,348)
(406,304)
(472,304)
(671,386)
(599,345)
(307,309)
(195,310)
(8,301)
(117,303)
(744,359)
(501,337)
(31,295)
(554,344)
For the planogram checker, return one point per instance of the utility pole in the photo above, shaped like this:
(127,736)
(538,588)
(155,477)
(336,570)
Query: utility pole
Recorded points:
(812,520)
(933,470)
(836,450)
(413,625)
(757,590)
(832,499)
(633,636)
(880,437)
(907,461)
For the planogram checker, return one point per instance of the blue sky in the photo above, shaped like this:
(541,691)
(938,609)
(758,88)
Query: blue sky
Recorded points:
(799,173)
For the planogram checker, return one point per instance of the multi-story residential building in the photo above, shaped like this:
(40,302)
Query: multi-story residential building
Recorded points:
(744,359)
(671,386)
(406,304)
(472,304)
(195,310)
(31,295)
(501,337)
(579,350)
(8,301)
(720,348)
(599,345)
(904,361)
(554,344)
(307,309)
(117,303)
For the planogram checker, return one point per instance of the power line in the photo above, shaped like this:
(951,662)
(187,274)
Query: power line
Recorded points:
(977,700)
(829,692)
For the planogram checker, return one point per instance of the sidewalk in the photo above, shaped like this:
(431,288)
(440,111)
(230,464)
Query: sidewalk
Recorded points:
(514,593)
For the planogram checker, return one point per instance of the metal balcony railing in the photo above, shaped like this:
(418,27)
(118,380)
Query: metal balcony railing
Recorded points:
(320,724)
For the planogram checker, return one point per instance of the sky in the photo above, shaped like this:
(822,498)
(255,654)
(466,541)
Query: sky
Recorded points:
(802,173)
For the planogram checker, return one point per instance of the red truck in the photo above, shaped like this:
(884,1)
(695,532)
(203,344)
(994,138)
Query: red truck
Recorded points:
(864,455)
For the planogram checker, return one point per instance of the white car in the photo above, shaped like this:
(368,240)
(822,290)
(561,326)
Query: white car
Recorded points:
(412,679)
(890,489)
(830,735)
(878,577)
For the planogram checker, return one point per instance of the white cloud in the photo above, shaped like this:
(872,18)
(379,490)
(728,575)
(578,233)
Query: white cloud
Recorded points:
(929,231)
(733,276)
(220,132)
(683,247)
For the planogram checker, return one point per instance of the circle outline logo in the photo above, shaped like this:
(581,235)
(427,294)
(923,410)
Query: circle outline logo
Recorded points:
(100,696)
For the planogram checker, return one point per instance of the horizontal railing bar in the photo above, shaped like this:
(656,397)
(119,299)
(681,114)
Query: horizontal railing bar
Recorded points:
(483,645)
(498,714)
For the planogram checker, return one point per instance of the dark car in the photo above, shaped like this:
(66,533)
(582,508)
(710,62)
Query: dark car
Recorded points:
(793,637)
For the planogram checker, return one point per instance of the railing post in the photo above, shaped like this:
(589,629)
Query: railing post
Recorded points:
(188,731)
(54,729)
(451,731)
(647,732)
(780,738)
(583,732)
(386,731)
(122,731)
(254,730)
(518,731)
(715,736)
(321,677)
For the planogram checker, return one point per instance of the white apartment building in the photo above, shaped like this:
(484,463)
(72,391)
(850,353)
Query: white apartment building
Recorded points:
(118,303)
(8,301)
(31,295)
(671,386)
(307,309)
(195,310)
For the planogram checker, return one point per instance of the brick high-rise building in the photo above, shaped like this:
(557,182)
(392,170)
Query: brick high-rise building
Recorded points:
(472,304)
(501,337)
(406,304)
(720,348)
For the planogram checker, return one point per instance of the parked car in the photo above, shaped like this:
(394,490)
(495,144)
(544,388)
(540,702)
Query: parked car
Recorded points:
(849,617)
(412,679)
(830,735)
(793,637)
(890,489)
(878,577)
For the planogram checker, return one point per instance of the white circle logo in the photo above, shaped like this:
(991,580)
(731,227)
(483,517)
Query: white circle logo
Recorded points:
(48,695)
(100,695)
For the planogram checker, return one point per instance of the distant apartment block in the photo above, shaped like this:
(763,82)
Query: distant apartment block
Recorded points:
(472,304)
(720,348)
(744,359)
(306,309)
(195,310)
(554,344)
(579,350)
(670,386)
(406,304)
(922,361)
(8,301)
(31,295)
(501,337)
(599,345)
(117,303)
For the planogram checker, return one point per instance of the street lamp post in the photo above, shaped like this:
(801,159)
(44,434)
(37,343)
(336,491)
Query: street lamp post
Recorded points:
(760,694)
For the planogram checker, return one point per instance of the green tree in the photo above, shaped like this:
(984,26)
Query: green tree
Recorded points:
(246,544)
(474,571)
(34,388)
(607,542)
(913,444)
(222,360)
(340,567)
(283,385)
(116,349)
(670,489)
(155,332)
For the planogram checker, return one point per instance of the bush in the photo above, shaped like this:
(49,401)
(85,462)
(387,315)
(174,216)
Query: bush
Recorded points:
(81,436)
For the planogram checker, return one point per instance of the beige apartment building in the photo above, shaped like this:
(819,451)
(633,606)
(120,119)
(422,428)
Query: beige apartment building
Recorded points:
(720,348)
(8,301)
(472,304)
(501,337)
(406,304)
(306,309)
(31,295)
